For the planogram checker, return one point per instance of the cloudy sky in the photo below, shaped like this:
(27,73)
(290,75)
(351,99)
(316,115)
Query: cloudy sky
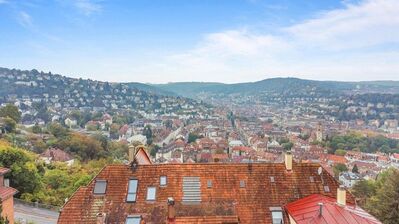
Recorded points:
(229,41)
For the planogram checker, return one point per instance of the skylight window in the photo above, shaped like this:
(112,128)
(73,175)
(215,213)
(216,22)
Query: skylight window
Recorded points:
(311,179)
(132,190)
(151,191)
(272,179)
(100,187)
(133,219)
(209,183)
(277,215)
(242,183)
(326,188)
(163,181)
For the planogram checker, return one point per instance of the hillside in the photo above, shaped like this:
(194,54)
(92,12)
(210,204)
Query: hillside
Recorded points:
(282,86)
(60,92)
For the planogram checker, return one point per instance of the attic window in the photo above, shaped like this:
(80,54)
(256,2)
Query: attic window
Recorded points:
(100,187)
(272,179)
(277,215)
(134,219)
(311,179)
(326,188)
(132,190)
(242,183)
(209,183)
(151,192)
(162,181)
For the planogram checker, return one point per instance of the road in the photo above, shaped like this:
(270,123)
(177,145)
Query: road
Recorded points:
(27,214)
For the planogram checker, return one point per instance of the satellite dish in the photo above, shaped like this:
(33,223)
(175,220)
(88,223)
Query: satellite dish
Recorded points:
(319,171)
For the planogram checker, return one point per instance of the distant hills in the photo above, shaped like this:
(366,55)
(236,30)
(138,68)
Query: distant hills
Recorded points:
(281,85)
(33,83)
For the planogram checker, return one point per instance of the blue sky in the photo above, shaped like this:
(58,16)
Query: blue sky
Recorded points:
(161,41)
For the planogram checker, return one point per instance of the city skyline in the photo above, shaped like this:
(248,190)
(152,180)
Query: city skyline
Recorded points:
(209,41)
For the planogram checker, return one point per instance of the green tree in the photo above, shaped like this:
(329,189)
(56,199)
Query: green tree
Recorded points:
(287,146)
(355,169)
(338,168)
(9,125)
(147,132)
(363,190)
(11,111)
(340,152)
(384,205)
(37,129)
(192,137)
(58,130)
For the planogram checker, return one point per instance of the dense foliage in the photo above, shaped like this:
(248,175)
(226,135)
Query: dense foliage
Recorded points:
(355,141)
(380,197)
(45,183)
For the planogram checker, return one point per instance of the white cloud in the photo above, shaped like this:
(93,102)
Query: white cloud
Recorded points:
(24,19)
(3,1)
(344,44)
(88,7)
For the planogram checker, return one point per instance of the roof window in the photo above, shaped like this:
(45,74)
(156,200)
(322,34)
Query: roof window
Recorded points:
(277,215)
(132,190)
(134,219)
(100,187)
(151,192)
(163,181)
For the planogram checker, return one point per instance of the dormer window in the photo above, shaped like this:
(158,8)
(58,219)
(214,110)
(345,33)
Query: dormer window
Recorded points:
(100,187)
(277,215)
(151,192)
(133,219)
(132,190)
(163,181)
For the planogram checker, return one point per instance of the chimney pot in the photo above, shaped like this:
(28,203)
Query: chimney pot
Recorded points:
(320,209)
(171,210)
(101,218)
(341,196)
(288,160)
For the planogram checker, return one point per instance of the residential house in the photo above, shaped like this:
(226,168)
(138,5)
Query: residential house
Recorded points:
(141,192)
(6,196)
(56,155)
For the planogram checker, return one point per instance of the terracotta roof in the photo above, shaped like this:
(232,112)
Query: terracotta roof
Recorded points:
(207,220)
(307,210)
(225,198)
(6,192)
(56,155)
(4,170)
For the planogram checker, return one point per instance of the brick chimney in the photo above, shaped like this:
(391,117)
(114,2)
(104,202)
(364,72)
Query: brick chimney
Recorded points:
(288,160)
(101,218)
(341,196)
(171,210)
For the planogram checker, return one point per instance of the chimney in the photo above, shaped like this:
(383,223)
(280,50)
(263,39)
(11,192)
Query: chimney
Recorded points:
(341,196)
(171,210)
(320,209)
(132,152)
(288,160)
(101,218)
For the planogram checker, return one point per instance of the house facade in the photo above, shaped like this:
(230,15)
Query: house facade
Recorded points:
(6,196)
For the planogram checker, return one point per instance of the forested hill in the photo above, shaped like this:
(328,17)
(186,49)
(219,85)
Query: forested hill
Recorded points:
(282,85)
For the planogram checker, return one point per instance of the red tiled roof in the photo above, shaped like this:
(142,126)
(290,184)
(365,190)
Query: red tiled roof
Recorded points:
(56,155)
(225,198)
(207,220)
(6,192)
(4,170)
(307,210)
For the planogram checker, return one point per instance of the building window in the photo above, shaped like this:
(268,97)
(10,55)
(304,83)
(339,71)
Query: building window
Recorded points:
(151,191)
(132,190)
(326,188)
(272,179)
(277,215)
(209,184)
(100,187)
(242,183)
(163,181)
(133,219)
